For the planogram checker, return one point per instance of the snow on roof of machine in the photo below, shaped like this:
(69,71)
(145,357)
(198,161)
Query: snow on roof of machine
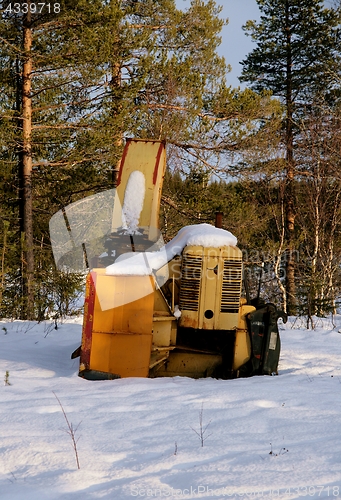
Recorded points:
(205,235)
(136,263)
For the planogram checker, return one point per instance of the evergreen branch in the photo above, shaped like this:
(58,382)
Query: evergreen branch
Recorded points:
(151,27)
(207,116)
(10,45)
(12,117)
(70,162)
(206,163)
(187,214)
(52,87)
(49,69)
(57,24)
(68,127)
(66,104)
(217,148)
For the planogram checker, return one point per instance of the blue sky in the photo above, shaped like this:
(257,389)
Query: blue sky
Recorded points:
(235,44)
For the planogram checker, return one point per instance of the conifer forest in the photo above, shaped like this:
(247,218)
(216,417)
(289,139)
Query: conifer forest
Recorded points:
(77,77)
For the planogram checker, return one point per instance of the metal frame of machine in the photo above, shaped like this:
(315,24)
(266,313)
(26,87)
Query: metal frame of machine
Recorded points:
(196,321)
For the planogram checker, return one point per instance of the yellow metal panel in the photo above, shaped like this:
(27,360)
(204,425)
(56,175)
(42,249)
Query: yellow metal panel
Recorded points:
(116,291)
(162,330)
(208,315)
(127,355)
(242,349)
(174,332)
(164,322)
(187,364)
(210,289)
(134,316)
(244,310)
(149,158)
(122,336)
(228,320)
(160,303)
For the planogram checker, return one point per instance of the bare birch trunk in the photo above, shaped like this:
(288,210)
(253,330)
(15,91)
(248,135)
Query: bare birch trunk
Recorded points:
(278,261)
(313,292)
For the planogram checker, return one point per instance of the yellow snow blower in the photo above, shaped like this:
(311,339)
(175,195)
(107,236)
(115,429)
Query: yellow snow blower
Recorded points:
(155,310)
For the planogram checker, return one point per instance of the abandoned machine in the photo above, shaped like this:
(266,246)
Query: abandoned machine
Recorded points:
(160,310)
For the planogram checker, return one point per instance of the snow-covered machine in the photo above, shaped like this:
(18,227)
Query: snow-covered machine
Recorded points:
(162,310)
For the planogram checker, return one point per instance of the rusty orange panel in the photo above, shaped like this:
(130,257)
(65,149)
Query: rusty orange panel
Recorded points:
(125,354)
(89,304)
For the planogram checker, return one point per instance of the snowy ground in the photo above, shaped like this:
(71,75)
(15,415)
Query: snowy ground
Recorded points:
(137,437)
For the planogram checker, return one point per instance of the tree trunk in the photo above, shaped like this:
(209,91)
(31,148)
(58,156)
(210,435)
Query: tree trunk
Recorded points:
(290,178)
(26,200)
(116,82)
(278,260)
(313,292)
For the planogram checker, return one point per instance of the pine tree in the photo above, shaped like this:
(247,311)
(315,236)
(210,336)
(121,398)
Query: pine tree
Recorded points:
(77,78)
(45,87)
(297,57)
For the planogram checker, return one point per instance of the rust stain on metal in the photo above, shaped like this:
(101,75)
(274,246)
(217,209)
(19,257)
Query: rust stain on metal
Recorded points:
(189,322)
(88,319)
(125,152)
(159,153)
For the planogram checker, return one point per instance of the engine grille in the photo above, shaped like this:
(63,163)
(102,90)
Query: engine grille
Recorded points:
(190,282)
(231,288)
